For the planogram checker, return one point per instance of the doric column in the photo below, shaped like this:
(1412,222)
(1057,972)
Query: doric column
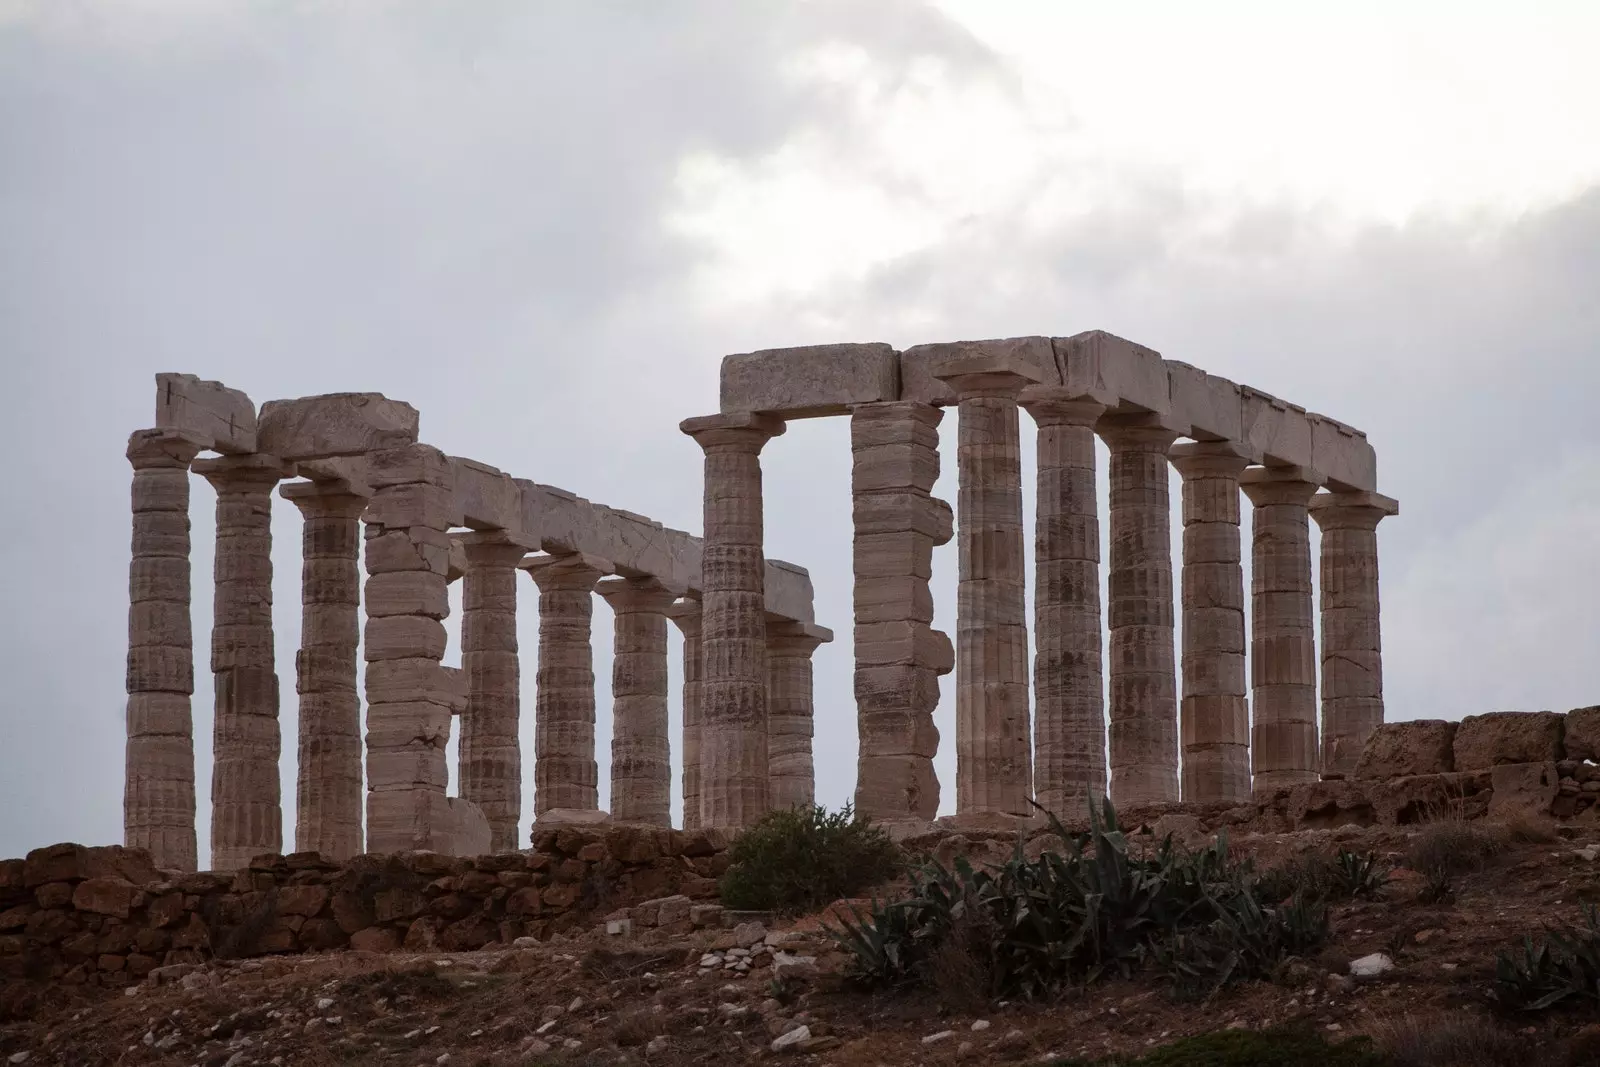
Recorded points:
(328,789)
(158,791)
(1352,646)
(1068,697)
(1215,710)
(641,755)
(733,750)
(899,656)
(1143,726)
(246,798)
(791,712)
(1283,650)
(686,613)
(490,756)
(994,752)
(565,774)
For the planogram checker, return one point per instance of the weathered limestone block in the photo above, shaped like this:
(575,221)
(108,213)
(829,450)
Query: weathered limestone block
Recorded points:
(1402,749)
(1582,734)
(219,417)
(328,793)
(1215,712)
(1484,741)
(686,614)
(565,773)
(1143,712)
(1277,429)
(923,368)
(791,713)
(994,751)
(800,383)
(1069,706)
(1118,373)
(404,637)
(1342,455)
(489,499)
(1523,790)
(1283,652)
(1210,406)
(414,548)
(733,752)
(641,754)
(419,593)
(158,808)
(335,424)
(421,820)
(490,754)
(246,800)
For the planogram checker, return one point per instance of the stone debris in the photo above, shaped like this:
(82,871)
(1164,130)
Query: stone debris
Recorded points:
(1371,966)
(795,1039)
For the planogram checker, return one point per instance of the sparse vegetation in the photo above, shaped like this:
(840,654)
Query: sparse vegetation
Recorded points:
(806,858)
(1561,968)
(1249,1048)
(1454,1040)
(1358,875)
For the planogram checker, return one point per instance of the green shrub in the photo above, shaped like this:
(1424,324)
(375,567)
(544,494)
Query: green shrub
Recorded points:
(1084,912)
(801,859)
(1249,1048)
(1358,875)
(1561,968)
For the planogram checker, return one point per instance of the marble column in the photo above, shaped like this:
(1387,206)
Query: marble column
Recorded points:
(899,656)
(1068,685)
(1352,646)
(686,614)
(994,750)
(790,646)
(490,755)
(733,750)
(1142,690)
(641,755)
(246,797)
(1215,709)
(328,786)
(1283,649)
(158,804)
(565,774)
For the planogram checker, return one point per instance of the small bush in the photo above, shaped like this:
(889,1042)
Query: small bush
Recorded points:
(1249,1048)
(804,858)
(1453,847)
(1456,1040)
(1562,968)
(1358,875)
(1311,875)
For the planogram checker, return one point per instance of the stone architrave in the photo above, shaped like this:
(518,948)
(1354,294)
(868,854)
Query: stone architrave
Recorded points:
(158,803)
(994,752)
(328,788)
(791,711)
(246,798)
(1142,692)
(733,749)
(899,656)
(1215,708)
(565,774)
(686,614)
(641,754)
(1068,683)
(1352,646)
(1283,647)
(490,754)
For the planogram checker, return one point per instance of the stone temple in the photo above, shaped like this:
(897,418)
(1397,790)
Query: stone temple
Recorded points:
(377,500)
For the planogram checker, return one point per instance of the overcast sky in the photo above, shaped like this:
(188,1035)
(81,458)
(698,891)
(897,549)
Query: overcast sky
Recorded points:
(544,224)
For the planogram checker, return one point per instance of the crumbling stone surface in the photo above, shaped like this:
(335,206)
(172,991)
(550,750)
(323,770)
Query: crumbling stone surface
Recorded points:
(1397,749)
(1485,741)
(1582,736)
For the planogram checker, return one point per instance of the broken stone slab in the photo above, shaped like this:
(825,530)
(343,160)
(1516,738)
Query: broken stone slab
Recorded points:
(1401,749)
(811,381)
(1501,737)
(1212,407)
(922,365)
(1582,736)
(1343,455)
(1279,430)
(572,817)
(335,424)
(224,417)
(1126,377)
(421,820)
(1523,791)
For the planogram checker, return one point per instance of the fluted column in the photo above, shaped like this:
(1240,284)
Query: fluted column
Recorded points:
(733,751)
(686,613)
(328,789)
(641,755)
(246,798)
(1352,645)
(1283,651)
(565,774)
(994,752)
(158,805)
(1143,727)
(899,655)
(1215,709)
(790,646)
(490,756)
(1068,686)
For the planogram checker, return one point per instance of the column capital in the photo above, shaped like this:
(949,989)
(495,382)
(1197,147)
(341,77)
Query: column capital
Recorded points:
(491,548)
(1269,486)
(743,431)
(149,449)
(686,613)
(1210,459)
(1353,510)
(647,595)
(1056,405)
(330,500)
(1003,376)
(796,638)
(576,572)
(1139,433)
(257,472)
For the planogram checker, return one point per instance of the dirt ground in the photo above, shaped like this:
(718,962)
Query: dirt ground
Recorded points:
(600,1000)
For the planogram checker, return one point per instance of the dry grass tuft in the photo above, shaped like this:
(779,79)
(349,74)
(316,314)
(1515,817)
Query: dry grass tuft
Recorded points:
(1456,1040)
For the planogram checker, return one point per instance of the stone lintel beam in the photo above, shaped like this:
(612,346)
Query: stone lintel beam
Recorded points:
(335,424)
(641,753)
(923,367)
(223,419)
(812,381)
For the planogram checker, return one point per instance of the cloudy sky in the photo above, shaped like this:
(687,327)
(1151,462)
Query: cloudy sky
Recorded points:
(544,224)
